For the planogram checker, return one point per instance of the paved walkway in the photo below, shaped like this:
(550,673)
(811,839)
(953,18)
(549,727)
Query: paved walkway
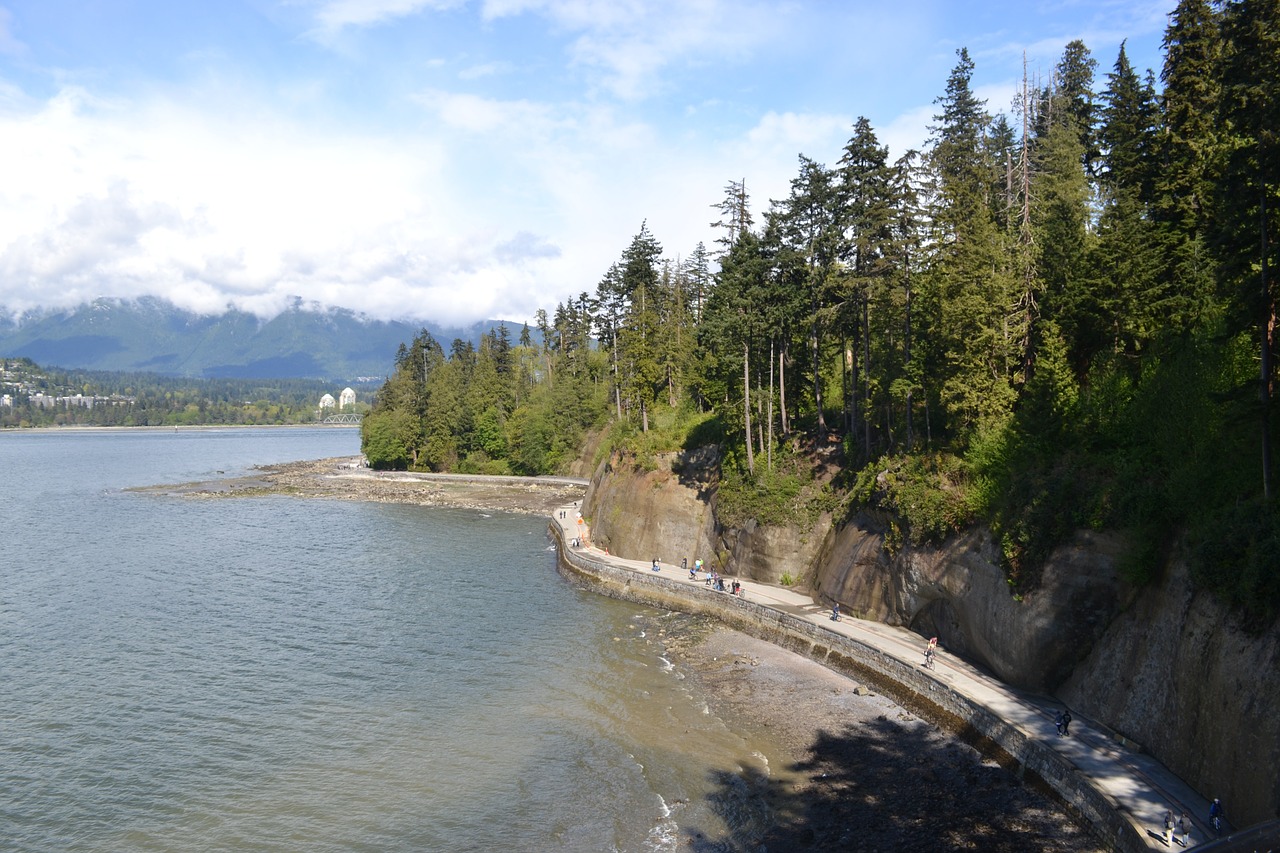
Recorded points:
(1143,787)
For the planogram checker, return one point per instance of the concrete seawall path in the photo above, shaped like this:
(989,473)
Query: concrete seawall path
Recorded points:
(1092,769)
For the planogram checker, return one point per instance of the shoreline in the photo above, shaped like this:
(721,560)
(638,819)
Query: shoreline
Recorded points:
(171,428)
(850,768)
(343,478)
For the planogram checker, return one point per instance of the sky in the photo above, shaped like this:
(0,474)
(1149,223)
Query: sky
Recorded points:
(450,161)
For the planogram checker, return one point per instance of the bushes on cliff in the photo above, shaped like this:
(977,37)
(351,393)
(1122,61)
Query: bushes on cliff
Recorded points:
(1235,551)
(794,492)
(928,495)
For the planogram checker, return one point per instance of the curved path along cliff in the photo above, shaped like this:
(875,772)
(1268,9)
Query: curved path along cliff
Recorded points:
(1123,794)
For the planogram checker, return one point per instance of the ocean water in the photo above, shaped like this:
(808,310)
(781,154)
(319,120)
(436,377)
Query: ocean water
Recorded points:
(280,673)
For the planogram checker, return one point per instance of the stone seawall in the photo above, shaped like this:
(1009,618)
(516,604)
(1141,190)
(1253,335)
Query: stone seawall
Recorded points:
(905,683)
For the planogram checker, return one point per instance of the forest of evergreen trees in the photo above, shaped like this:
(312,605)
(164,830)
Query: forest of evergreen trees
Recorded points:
(1055,317)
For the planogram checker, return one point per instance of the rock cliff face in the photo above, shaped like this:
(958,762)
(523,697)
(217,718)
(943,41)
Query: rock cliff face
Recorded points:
(669,513)
(958,593)
(1166,667)
(1176,673)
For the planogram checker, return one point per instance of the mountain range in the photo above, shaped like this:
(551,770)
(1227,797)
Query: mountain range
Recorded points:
(151,335)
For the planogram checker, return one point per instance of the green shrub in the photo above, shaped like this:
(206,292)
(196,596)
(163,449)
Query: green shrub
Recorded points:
(931,493)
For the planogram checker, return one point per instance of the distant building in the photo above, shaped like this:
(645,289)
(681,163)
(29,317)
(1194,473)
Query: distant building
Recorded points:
(346,398)
(326,402)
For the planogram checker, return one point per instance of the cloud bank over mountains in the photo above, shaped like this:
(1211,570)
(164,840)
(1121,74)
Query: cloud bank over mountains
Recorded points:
(444,159)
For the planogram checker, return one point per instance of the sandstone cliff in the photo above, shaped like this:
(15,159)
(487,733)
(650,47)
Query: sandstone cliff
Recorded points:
(1165,666)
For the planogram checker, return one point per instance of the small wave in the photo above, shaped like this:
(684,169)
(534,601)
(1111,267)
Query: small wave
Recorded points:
(665,832)
(667,666)
(664,809)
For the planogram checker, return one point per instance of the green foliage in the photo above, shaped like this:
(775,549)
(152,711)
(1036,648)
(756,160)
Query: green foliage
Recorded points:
(790,494)
(669,431)
(1235,550)
(478,462)
(1042,325)
(473,411)
(388,439)
(930,493)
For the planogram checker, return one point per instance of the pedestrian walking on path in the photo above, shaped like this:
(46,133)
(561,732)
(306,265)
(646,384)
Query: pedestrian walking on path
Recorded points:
(1216,814)
(835,612)
(655,565)
(1066,723)
(1184,829)
(1168,826)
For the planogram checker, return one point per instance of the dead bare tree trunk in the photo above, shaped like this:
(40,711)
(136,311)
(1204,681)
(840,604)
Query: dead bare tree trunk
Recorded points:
(746,404)
(770,445)
(782,389)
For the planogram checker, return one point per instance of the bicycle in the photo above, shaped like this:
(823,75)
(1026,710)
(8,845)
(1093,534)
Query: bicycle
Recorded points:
(928,659)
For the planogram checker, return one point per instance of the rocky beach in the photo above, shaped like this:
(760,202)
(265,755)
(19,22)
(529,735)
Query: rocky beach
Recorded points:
(344,478)
(858,772)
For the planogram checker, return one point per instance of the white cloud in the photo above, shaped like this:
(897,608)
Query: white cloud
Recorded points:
(480,192)
(333,15)
(486,69)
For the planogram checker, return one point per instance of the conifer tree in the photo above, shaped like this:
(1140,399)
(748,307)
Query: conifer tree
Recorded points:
(1247,234)
(971,293)
(864,192)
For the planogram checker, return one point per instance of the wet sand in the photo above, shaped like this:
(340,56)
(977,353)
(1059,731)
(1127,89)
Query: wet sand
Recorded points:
(854,771)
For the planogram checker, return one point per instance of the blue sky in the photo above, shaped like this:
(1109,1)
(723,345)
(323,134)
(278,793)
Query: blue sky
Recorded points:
(452,160)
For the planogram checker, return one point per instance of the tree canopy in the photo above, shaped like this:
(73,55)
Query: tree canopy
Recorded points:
(1063,314)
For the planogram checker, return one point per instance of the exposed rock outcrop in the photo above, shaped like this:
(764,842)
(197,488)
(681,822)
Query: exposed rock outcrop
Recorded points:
(958,593)
(1176,673)
(1165,666)
(646,514)
(669,513)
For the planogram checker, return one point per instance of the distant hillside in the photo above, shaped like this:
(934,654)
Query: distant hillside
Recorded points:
(154,336)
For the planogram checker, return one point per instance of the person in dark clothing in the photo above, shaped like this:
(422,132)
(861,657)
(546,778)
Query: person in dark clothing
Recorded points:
(1066,722)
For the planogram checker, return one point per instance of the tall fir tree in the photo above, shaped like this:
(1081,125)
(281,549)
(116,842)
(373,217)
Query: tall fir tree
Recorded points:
(971,293)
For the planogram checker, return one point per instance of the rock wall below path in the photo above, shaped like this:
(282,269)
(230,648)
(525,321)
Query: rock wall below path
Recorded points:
(668,513)
(958,593)
(1164,666)
(1176,673)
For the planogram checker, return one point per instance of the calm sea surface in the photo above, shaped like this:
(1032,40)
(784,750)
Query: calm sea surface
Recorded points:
(288,674)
